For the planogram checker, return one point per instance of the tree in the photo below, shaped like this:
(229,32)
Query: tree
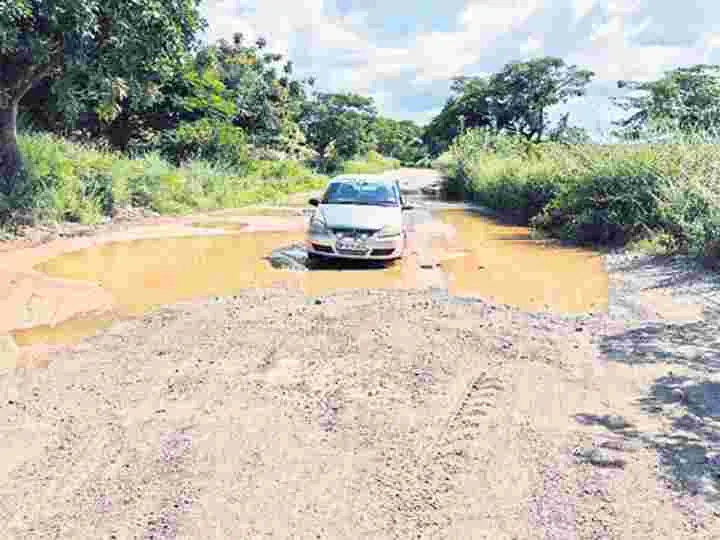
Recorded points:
(399,139)
(98,53)
(687,99)
(269,100)
(515,100)
(467,108)
(567,134)
(343,120)
(241,84)
(523,92)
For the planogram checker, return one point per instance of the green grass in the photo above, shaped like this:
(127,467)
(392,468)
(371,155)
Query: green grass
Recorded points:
(657,194)
(73,182)
(373,163)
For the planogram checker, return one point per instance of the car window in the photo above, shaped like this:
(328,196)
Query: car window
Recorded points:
(361,192)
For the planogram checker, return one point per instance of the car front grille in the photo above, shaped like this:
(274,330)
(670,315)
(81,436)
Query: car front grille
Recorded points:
(357,252)
(352,233)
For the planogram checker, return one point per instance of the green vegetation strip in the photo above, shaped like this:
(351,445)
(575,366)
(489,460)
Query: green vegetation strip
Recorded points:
(664,192)
(71,182)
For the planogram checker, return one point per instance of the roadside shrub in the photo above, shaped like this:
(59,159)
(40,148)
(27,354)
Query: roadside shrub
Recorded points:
(209,140)
(66,182)
(74,182)
(666,191)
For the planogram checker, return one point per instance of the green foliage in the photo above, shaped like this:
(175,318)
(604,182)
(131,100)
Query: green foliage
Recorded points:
(684,99)
(209,140)
(373,163)
(208,95)
(609,194)
(73,182)
(399,139)
(339,126)
(100,52)
(468,151)
(516,100)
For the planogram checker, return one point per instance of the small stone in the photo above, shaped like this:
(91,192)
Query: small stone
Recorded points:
(601,458)
(318,302)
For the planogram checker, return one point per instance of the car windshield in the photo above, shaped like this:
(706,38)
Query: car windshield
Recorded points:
(361,192)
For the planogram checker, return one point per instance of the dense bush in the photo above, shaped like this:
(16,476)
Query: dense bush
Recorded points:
(72,182)
(609,194)
(208,140)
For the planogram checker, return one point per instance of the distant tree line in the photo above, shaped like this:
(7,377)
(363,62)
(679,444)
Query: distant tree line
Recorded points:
(134,75)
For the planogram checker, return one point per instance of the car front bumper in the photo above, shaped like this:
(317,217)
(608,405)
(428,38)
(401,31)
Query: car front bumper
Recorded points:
(373,248)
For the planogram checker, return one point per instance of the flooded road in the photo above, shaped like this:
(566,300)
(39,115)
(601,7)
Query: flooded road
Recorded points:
(476,256)
(505,264)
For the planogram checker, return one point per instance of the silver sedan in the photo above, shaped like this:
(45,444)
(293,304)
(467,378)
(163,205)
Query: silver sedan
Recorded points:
(358,217)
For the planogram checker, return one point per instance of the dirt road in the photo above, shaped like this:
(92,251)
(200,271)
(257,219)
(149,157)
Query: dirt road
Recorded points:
(377,414)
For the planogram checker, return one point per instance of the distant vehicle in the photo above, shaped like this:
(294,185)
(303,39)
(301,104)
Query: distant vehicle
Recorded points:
(358,217)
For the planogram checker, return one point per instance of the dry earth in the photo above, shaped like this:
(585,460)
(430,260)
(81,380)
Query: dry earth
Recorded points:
(370,414)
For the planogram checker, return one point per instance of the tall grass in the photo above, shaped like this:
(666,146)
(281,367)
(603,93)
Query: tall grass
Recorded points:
(72,182)
(372,163)
(667,187)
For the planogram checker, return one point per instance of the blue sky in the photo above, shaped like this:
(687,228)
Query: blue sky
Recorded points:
(404,53)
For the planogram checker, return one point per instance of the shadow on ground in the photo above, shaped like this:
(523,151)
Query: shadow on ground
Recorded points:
(689,451)
(695,344)
(689,447)
(682,274)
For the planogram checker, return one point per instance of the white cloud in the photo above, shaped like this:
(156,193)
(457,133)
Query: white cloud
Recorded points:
(583,7)
(618,39)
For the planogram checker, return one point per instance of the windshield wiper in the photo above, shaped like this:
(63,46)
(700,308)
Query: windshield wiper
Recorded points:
(364,203)
(347,202)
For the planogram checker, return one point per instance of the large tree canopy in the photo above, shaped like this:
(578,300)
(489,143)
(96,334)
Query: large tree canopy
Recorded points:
(523,92)
(98,52)
(339,125)
(687,99)
(399,139)
(468,107)
(516,100)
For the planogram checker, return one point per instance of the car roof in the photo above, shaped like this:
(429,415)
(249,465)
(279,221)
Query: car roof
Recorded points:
(349,178)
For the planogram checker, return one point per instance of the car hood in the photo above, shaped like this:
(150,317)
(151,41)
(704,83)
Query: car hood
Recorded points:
(361,216)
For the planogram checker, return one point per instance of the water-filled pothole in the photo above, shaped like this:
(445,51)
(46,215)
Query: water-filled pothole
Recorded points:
(506,264)
(145,274)
(492,261)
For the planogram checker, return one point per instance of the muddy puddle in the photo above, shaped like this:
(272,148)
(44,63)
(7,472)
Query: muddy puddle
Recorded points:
(492,261)
(145,274)
(507,265)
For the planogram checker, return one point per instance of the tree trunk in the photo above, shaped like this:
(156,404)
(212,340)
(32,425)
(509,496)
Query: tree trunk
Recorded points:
(10,160)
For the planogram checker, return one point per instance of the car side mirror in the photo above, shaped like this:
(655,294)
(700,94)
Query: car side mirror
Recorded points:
(408,207)
(314,202)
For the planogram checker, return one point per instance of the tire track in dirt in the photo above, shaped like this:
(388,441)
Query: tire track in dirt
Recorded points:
(428,475)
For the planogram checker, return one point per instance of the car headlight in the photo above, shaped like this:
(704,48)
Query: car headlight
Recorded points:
(390,231)
(317,225)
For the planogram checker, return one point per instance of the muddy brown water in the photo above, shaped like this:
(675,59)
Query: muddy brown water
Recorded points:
(507,265)
(497,262)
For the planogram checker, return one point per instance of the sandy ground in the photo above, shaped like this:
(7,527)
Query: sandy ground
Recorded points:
(373,414)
